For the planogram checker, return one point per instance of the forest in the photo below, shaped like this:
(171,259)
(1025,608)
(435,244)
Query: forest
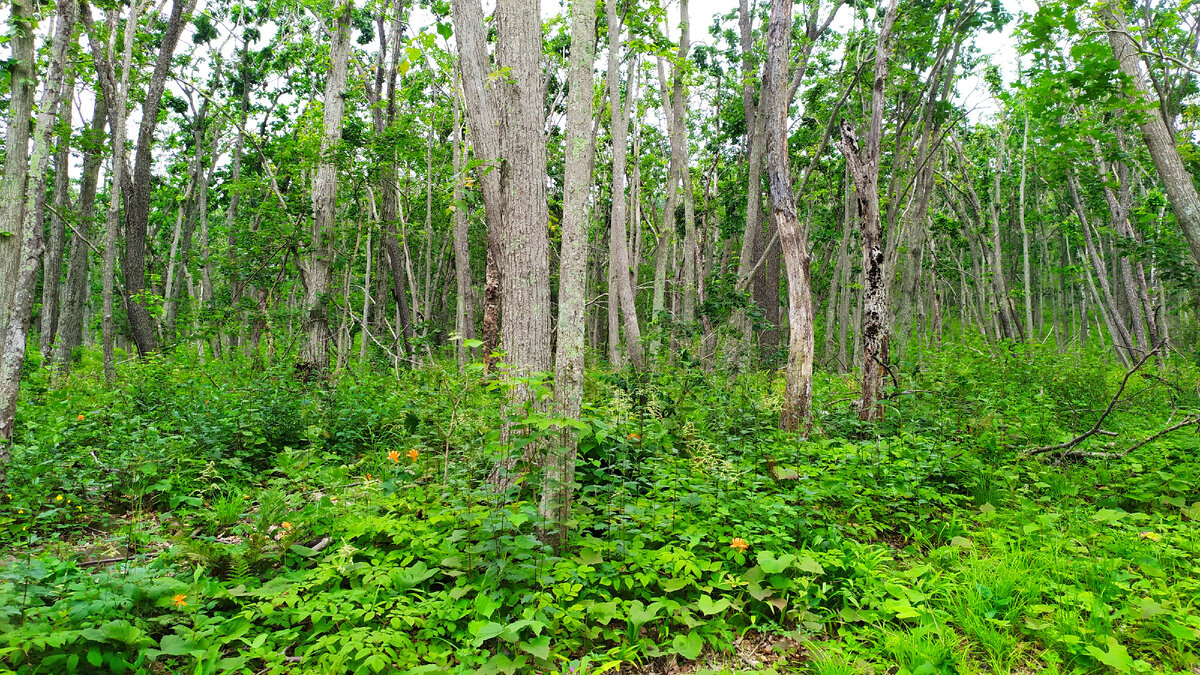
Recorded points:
(626,336)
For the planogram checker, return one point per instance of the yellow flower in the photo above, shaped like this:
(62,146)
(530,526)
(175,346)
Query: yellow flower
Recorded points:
(1152,536)
(739,544)
(58,498)
(413,454)
(179,600)
(394,455)
(20,512)
(286,525)
(80,508)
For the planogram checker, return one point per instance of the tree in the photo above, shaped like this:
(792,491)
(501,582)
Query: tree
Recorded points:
(863,163)
(1176,180)
(573,262)
(316,270)
(793,236)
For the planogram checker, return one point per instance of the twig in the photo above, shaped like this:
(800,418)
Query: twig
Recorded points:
(1067,445)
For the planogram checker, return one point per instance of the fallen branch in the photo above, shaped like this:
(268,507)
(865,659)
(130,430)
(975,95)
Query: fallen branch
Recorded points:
(1067,445)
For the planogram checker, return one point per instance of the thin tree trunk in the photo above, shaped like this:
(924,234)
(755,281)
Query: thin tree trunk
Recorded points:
(464,314)
(618,247)
(1029,327)
(76,290)
(53,259)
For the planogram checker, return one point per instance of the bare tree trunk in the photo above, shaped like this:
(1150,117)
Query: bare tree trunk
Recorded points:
(1029,327)
(555,505)
(16,328)
(464,315)
(797,398)
(22,86)
(53,259)
(620,287)
(317,268)
(137,187)
(864,167)
(76,290)
(115,91)
(1106,303)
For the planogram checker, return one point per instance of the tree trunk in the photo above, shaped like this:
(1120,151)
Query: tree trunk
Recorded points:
(16,327)
(76,290)
(136,188)
(864,167)
(555,505)
(316,271)
(53,259)
(797,398)
(464,314)
(1176,179)
(1029,327)
(621,288)
(22,86)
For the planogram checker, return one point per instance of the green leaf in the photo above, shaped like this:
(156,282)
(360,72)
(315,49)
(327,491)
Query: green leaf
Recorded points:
(639,614)
(1117,657)
(811,566)
(688,646)
(485,631)
(1108,516)
(94,657)
(773,565)
(709,607)
(539,647)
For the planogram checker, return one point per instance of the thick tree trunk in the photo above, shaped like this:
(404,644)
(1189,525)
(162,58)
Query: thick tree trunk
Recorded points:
(22,86)
(797,398)
(16,327)
(864,167)
(316,271)
(555,505)
(136,188)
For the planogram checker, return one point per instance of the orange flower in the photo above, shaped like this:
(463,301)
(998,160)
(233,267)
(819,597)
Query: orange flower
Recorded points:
(367,477)
(179,600)
(286,525)
(740,544)
(394,456)
(413,454)
(634,437)
(80,418)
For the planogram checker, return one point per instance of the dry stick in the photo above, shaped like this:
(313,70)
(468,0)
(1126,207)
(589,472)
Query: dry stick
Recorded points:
(1067,445)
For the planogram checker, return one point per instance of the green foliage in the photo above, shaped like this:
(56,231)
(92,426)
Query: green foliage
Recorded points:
(251,522)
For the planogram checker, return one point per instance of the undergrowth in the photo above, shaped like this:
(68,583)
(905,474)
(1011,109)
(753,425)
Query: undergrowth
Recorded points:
(220,518)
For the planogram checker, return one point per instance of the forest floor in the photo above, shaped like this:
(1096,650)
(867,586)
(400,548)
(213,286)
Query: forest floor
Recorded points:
(226,518)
